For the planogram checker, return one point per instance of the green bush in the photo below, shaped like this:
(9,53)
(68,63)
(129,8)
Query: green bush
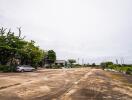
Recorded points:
(5,68)
(111,66)
(126,69)
(106,64)
(129,71)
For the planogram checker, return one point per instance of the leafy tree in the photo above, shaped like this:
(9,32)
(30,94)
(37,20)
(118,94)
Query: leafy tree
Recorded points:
(9,46)
(14,48)
(51,57)
(106,64)
(93,64)
(32,54)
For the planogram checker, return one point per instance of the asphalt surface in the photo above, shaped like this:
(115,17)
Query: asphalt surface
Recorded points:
(66,84)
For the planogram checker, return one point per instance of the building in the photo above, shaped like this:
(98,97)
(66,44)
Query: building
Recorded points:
(60,62)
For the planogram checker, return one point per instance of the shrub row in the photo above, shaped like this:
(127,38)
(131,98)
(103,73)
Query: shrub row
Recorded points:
(5,68)
(119,68)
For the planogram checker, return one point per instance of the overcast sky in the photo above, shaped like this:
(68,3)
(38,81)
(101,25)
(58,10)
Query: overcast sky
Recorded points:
(93,30)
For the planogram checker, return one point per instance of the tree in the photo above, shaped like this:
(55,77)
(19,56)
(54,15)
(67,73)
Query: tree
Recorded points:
(9,45)
(13,47)
(106,64)
(32,54)
(71,61)
(51,57)
(93,64)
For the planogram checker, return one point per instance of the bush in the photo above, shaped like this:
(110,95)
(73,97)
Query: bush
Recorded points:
(76,66)
(111,66)
(5,68)
(105,64)
(126,69)
(129,71)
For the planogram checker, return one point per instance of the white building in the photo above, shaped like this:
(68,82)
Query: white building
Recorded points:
(60,62)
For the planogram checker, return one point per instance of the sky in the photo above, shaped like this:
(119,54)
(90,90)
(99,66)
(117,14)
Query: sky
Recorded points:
(91,30)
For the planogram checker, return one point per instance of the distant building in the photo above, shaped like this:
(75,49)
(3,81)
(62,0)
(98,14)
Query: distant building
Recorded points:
(60,62)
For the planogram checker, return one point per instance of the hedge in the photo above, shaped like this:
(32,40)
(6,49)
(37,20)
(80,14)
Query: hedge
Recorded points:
(5,68)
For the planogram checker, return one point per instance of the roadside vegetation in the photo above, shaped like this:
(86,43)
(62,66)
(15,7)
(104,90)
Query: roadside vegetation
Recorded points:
(124,68)
(15,50)
(127,69)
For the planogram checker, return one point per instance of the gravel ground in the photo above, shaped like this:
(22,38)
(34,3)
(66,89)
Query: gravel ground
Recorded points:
(66,84)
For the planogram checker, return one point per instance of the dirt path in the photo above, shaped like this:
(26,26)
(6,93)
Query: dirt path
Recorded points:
(66,84)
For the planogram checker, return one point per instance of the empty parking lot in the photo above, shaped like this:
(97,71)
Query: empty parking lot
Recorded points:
(65,84)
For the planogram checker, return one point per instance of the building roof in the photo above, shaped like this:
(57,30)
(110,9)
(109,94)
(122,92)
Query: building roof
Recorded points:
(60,61)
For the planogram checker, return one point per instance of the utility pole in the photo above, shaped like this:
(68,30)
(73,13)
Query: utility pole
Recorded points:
(121,61)
(82,61)
(116,61)
(78,61)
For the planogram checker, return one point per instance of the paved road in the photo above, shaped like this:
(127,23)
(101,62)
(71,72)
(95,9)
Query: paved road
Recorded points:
(65,84)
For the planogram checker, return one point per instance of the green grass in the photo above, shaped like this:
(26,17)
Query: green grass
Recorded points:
(126,69)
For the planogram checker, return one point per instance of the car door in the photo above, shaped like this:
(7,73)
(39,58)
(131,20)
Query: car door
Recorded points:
(26,68)
(29,68)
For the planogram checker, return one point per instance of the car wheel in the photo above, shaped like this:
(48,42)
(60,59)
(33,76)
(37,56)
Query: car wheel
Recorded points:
(22,70)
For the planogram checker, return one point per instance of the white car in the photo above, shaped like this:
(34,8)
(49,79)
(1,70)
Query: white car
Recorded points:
(24,68)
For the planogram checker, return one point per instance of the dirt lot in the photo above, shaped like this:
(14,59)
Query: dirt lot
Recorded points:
(65,84)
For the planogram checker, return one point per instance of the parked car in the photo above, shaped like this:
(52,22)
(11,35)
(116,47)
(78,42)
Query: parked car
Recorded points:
(24,68)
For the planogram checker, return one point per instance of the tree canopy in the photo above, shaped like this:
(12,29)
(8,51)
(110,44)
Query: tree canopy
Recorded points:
(51,57)
(15,49)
